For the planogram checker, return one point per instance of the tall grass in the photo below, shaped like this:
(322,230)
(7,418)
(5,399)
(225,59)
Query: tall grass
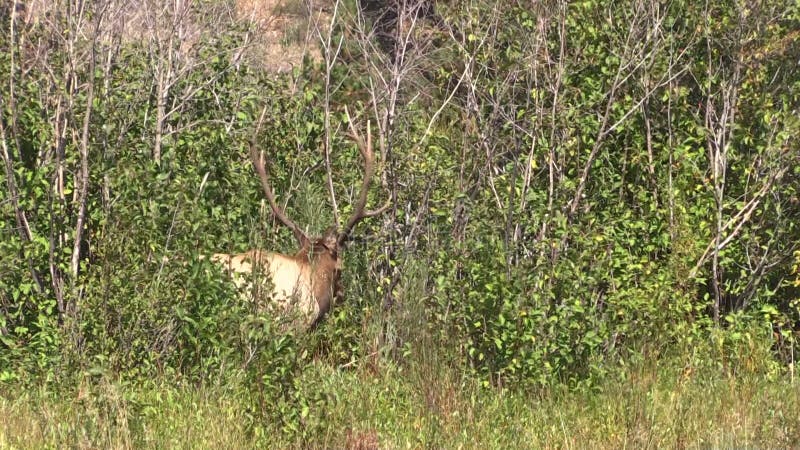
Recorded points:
(412,408)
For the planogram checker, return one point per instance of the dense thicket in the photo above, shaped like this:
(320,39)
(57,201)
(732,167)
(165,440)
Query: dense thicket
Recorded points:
(573,185)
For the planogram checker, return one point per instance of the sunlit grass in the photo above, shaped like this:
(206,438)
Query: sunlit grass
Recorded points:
(393,408)
(110,416)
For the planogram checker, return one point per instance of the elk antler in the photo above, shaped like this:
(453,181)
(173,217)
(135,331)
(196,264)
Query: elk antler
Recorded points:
(369,169)
(258,163)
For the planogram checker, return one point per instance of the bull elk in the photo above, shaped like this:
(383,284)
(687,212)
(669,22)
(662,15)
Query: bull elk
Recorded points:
(307,282)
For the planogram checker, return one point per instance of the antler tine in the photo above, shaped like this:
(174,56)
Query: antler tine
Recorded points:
(369,168)
(263,175)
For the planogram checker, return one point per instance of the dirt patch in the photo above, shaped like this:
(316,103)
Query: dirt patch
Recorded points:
(284,30)
(362,440)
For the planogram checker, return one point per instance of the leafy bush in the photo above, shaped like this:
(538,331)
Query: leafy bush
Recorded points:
(565,194)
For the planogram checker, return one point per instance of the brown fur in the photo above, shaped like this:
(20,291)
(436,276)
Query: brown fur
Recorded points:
(307,281)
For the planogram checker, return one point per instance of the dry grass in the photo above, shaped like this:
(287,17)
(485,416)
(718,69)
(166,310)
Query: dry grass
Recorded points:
(401,409)
(284,35)
(112,417)
(281,29)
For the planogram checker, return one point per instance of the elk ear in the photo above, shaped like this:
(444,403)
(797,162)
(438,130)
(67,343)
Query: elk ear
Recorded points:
(331,238)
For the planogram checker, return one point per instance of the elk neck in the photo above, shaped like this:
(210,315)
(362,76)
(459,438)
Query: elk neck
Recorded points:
(325,274)
(319,256)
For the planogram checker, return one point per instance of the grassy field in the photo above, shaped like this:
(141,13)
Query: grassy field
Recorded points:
(647,408)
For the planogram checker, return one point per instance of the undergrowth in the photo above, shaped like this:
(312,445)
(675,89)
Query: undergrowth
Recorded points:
(648,405)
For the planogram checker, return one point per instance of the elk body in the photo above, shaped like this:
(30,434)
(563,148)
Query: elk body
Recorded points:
(307,282)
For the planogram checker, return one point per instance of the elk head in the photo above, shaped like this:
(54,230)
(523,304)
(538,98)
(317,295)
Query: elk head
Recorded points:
(308,281)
